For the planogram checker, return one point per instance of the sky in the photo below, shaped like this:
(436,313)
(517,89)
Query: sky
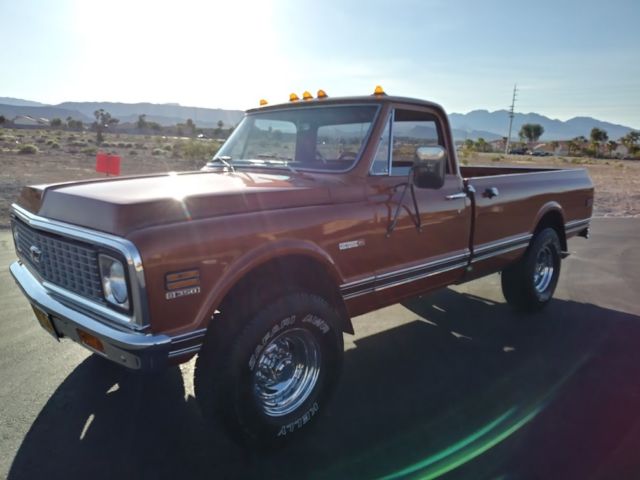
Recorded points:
(569,58)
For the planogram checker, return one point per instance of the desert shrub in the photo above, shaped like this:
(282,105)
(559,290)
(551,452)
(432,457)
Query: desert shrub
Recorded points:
(41,140)
(497,158)
(133,153)
(28,149)
(128,145)
(90,151)
(157,151)
(78,143)
(139,146)
(465,161)
(195,149)
(54,145)
(121,145)
(167,147)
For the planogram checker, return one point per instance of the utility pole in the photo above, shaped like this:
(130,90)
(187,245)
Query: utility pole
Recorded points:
(511,115)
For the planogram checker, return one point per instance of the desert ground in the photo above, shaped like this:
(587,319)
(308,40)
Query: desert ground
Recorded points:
(66,156)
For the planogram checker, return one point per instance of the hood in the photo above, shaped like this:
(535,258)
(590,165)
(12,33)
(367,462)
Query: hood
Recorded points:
(121,205)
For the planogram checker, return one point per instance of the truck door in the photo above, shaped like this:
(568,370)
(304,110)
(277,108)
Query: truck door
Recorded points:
(428,247)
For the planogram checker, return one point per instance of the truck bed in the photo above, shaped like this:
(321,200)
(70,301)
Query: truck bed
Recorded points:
(509,200)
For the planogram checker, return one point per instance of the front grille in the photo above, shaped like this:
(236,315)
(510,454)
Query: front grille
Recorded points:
(67,264)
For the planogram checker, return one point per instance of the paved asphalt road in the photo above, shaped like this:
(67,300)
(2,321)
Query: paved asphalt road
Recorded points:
(454,382)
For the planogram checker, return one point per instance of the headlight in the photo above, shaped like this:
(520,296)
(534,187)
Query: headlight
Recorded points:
(114,281)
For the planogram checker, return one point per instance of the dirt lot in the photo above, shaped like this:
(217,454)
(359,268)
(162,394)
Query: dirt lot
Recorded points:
(65,156)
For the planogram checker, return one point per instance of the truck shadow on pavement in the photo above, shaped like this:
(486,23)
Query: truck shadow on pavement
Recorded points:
(468,386)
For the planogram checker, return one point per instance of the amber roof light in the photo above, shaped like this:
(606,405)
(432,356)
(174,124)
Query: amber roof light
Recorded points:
(307,95)
(322,94)
(293,97)
(379,90)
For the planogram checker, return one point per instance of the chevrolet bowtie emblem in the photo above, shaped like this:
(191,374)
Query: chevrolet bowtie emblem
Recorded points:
(36,253)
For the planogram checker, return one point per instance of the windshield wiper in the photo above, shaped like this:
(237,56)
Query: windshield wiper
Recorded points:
(224,160)
(274,161)
(281,163)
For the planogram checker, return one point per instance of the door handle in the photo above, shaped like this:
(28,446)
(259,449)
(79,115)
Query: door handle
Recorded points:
(456,196)
(491,192)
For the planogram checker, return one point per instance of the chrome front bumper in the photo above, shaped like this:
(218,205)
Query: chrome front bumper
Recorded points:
(134,350)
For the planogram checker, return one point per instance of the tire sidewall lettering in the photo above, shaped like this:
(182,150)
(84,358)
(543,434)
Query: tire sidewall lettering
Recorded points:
(300,422)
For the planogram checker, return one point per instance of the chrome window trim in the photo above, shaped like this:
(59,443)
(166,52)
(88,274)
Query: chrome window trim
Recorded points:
(139,320)
(389,122)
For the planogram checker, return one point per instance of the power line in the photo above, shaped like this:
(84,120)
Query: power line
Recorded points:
(511,115)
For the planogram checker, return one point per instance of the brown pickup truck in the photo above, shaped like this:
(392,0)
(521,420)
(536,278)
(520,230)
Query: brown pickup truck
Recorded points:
(312,212)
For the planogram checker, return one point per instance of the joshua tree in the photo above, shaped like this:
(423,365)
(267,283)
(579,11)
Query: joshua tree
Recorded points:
(103,121)
(142,122)
(630,140)
(531,131)
(598,137)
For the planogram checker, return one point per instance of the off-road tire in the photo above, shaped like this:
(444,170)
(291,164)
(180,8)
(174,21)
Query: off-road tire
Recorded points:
(524,285)
(227,370)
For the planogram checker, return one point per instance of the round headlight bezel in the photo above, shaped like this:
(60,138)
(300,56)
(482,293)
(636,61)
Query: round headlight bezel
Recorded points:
(115,281)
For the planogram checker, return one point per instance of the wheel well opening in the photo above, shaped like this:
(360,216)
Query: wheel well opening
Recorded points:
(553,219)
(286,274)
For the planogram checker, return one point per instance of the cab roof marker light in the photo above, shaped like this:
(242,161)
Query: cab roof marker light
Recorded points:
(263,102)
(322,94)
(379,90)
(307,95)
(293,97)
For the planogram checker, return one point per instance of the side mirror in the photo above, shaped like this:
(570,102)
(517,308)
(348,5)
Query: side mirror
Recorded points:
(429,168)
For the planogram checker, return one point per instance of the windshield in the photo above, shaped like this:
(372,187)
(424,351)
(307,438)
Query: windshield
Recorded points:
(316,138)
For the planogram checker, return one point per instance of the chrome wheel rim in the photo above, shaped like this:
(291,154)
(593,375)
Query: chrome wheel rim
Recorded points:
(543,270)
(286,372)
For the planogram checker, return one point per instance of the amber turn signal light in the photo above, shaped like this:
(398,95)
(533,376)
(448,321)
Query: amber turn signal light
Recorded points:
(90,341)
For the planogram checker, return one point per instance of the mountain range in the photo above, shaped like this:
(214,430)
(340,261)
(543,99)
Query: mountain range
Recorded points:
(472,125)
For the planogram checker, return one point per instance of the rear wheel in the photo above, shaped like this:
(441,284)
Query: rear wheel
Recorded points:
(275,376)
(528,284)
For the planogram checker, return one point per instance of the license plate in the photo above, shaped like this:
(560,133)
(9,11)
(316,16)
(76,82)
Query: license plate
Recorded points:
(45,321)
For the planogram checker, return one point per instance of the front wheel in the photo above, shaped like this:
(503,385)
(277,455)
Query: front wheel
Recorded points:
(528,285)
(276,375)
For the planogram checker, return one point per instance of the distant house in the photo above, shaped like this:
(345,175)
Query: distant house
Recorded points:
(498,145)
(27,121)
